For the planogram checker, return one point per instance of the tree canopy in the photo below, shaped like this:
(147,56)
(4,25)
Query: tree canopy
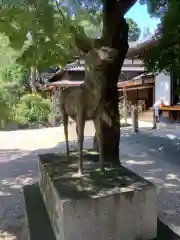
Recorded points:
(165,55)
(44,31)
(38,20)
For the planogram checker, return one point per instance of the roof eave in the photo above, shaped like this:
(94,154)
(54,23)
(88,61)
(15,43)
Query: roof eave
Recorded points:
(141,48)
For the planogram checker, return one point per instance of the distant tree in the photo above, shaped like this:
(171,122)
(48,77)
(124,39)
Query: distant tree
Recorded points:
(165,54)
(134,30)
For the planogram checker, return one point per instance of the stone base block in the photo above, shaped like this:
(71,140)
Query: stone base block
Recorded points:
(111,206)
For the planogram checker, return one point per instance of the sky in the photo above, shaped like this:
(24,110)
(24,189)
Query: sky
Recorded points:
(140,15)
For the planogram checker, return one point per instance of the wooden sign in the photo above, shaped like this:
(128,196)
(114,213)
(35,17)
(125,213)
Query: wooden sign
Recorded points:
(149,80)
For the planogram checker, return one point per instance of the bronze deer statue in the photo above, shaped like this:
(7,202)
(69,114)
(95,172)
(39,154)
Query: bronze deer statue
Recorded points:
(86,101)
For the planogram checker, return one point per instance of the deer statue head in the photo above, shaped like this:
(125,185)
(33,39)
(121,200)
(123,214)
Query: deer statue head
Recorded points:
(106,54)
(100,57)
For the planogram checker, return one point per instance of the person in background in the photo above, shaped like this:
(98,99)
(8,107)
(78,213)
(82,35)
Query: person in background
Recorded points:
(156,108)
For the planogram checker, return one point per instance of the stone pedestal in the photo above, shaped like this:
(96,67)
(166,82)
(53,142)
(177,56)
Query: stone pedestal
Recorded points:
(115,205)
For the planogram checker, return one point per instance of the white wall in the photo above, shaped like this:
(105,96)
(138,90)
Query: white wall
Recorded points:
(133,61)
(163,88)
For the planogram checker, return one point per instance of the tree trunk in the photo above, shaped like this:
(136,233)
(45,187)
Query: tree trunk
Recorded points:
(32,80)
(115,35)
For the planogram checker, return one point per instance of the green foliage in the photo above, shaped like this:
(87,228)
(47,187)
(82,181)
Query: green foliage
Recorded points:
(165,56)
(134,30)
(7,54)
(52,27)
(15,103)
(5,111)
(12,83)
(94,30)
(156,8)
(32,108)
(50,42)
(11,88)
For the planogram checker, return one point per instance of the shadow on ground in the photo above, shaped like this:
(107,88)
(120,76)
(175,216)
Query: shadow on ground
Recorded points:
(165,233)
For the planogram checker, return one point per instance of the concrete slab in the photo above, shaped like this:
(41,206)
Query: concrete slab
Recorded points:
(115,205)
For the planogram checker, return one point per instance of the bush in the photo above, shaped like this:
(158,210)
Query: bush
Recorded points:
(32,108)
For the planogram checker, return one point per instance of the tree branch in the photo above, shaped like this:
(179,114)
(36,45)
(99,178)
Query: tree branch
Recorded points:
(82,41)
(113,14)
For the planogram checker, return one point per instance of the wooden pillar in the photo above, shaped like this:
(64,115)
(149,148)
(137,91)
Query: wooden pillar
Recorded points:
(125,104)
(153,94)
(54,100)
(58,93)
(154,120)
(137,97)
(134,115)
(154,117)
(54,107)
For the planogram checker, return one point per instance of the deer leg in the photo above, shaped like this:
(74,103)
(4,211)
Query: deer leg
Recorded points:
(80,128)
(98,127)
(76,130)
(76,134)
(65,120)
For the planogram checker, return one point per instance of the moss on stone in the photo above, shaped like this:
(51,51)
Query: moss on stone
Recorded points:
(93,183)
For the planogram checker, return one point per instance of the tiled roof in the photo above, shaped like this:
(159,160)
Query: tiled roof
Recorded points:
(79,65)
(143,75)
(138,77)
(45,76)
(75,66)
(137,48)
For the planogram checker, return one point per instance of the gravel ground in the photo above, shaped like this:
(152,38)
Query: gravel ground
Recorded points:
(153,155)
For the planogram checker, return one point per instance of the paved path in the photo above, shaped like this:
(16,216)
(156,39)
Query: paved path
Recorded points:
(152,154)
